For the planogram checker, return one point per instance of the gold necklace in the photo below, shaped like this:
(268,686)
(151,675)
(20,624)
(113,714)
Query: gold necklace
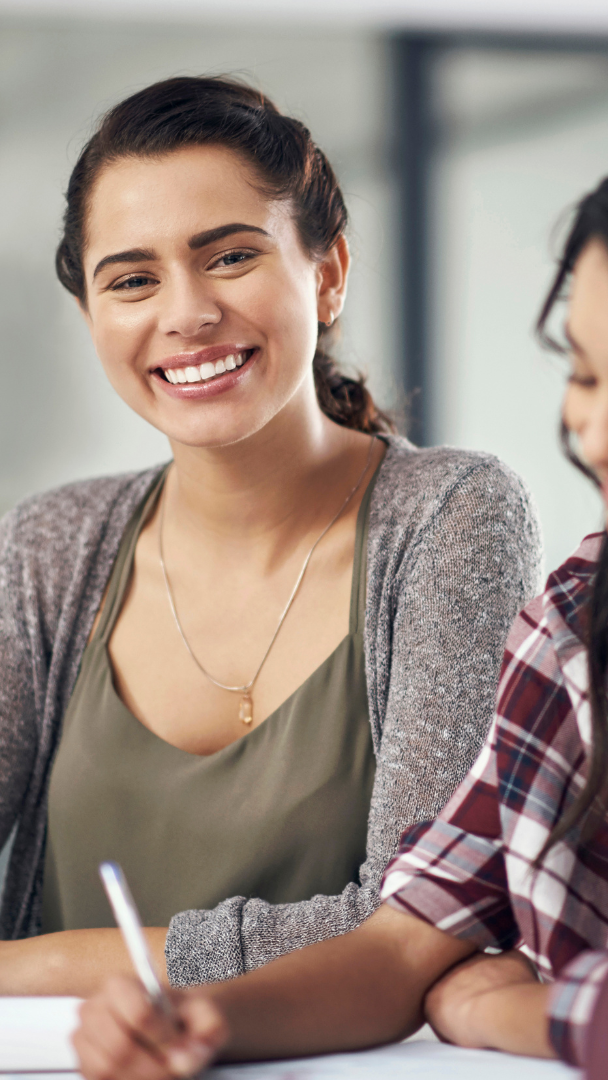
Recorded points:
(246,700)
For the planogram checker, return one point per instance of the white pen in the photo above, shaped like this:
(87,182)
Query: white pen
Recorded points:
(129,922)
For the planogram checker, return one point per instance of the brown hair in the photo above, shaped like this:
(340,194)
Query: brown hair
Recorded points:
(193,111)
(590,804)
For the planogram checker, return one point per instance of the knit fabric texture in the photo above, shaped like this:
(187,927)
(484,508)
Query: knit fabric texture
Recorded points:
(454,552)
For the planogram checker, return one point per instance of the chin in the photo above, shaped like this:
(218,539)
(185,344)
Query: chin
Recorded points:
(212,436)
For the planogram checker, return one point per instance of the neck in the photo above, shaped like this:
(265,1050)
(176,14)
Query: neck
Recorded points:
(266,485)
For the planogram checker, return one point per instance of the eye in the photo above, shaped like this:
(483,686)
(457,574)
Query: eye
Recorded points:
(588,382)
(137,281)
(233,258)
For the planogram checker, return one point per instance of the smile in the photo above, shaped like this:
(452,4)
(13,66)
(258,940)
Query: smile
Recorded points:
(208,370)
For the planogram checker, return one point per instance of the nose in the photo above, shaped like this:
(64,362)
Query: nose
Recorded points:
(188,306)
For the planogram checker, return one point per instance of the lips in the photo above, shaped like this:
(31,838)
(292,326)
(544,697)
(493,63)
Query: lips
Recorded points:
(208,369)
(208,373)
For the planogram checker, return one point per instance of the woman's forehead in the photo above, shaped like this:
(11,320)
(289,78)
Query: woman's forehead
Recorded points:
(590,276)
(588,303)
(184,192)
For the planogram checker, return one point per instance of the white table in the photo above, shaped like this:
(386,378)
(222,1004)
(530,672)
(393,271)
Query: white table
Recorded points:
(34,1042)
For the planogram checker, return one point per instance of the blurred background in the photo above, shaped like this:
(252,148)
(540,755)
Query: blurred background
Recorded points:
(462,134)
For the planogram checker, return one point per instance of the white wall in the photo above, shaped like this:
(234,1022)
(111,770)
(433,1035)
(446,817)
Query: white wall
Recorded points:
(528,135)
(59,420)
(551,16)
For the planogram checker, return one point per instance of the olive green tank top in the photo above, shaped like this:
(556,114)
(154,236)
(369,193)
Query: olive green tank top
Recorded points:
(280,814)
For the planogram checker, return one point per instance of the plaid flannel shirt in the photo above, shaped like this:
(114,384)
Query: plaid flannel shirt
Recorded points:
(470,872)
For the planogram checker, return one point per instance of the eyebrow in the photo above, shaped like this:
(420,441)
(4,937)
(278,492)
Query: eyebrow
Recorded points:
(199,240)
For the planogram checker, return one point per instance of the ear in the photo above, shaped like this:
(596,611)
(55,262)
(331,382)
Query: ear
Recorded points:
(332,281)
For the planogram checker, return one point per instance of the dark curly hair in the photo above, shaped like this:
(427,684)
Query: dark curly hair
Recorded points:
(194,111)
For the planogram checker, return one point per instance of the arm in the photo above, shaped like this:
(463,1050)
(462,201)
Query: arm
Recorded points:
(471,566)
(56,552)
(444,619)
(496,1002)
(18,731)
(492,1002)
(75,963)
(358,990)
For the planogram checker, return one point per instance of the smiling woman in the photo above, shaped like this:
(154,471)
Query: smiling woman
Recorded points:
(243,674)
(204,363)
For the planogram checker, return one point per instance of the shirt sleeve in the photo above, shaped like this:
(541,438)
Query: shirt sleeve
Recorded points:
(451,872)
(572,1001)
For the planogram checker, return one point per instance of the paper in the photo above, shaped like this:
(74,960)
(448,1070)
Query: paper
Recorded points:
(35,1038)
(35,1034)
(41,1075)
(411,1060)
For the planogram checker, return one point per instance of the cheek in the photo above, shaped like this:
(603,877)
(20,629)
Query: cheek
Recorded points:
(279,310)
(573,409)
(292,320)
(120,335)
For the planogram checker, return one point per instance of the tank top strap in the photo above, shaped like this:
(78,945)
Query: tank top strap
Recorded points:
(123,565)
(358,595)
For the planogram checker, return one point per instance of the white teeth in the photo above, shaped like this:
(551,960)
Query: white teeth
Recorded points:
(206,370)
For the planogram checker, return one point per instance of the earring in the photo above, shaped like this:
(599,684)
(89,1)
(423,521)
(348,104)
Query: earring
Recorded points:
(330,321)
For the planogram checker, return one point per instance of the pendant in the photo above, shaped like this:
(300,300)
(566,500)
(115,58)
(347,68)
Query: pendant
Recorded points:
(246,709)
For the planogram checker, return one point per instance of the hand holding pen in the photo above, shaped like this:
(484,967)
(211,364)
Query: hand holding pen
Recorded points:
(136,1030)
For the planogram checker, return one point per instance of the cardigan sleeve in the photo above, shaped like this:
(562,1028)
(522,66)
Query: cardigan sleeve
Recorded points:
(441,619)
(18,733)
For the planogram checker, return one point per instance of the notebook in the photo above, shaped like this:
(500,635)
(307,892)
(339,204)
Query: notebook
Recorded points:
(35,1038)
(417,1060)
(35,1034)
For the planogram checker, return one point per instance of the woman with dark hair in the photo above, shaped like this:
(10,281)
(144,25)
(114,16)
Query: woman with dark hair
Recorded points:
(241,675)
(517,860)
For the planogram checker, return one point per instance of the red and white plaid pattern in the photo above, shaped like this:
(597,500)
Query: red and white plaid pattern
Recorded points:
(470,872)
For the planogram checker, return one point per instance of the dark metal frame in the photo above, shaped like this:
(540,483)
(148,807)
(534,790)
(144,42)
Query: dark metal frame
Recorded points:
(415,141)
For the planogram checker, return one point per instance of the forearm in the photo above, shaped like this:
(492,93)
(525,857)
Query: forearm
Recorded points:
(241,935)
(513,1019)
(492,1002)
(361,989)
(73,962)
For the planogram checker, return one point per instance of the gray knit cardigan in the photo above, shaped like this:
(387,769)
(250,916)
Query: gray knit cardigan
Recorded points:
(453,554)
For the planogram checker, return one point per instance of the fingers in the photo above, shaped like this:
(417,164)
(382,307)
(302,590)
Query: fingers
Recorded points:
(202,1021)
(123,1037)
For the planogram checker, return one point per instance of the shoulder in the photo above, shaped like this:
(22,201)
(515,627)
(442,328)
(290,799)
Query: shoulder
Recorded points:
(51,542)
(558,614)
(568,586)
(418,489)
(430,476)
(544,680)
(59,516)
